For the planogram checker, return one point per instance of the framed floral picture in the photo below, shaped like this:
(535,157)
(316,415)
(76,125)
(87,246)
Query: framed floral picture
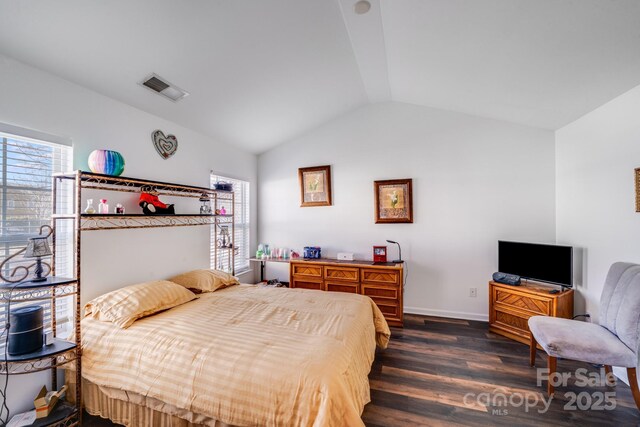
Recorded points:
(637,189)
(393,201)
(315,186)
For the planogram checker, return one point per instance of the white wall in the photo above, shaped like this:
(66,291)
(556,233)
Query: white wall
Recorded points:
(475,181)
(595,160)
(37,100)
(595,193)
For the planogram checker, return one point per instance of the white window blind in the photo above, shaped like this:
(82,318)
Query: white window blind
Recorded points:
(242,226)
(26,166)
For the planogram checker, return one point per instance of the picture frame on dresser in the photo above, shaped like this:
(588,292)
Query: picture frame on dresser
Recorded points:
(380,254)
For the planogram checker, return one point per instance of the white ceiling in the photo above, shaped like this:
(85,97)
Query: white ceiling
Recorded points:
(542,63)
(258,72)
(261,72)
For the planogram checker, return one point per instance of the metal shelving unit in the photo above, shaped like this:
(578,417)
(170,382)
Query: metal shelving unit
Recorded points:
(53,356)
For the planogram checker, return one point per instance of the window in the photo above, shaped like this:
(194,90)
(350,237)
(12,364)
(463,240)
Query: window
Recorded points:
(26,166)
(242,227)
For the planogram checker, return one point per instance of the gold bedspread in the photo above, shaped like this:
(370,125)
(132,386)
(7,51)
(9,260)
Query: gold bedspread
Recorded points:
(247,355)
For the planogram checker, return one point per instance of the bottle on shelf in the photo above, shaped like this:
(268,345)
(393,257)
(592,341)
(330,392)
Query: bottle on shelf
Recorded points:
(90,209)
(119,210)
(103,207)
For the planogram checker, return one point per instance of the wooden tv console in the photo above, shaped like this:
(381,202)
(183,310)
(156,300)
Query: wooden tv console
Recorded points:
(382,282)
(510,307)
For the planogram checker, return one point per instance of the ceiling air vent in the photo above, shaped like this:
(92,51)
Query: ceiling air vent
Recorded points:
(159,85)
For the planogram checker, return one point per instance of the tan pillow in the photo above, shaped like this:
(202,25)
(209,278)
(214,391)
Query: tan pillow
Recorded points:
(205,280)
(124,306)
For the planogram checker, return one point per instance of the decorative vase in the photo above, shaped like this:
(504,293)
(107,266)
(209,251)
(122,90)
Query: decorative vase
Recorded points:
(106,162)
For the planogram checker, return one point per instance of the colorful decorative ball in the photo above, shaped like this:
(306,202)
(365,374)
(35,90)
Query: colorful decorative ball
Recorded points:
(106,162)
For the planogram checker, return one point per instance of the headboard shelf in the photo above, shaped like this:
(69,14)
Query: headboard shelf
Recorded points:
(69,220)
(113,222)
(98,181)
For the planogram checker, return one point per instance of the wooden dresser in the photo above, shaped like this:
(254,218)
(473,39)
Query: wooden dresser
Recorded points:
(382,282)
(510,307)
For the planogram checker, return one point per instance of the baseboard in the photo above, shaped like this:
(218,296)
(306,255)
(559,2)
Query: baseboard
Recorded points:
(447,313)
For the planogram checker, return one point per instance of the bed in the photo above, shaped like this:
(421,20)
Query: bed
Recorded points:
(243,355)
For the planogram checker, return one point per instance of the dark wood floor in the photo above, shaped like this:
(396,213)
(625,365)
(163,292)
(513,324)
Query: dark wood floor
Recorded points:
(433,363)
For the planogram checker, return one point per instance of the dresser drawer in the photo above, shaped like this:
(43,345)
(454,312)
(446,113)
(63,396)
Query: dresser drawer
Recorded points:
(381,276)
(513,322)
(527,304)
(389,309)
(350,274)
(341,287)
(383,284)
(307,284)
(377,292)
(306,270)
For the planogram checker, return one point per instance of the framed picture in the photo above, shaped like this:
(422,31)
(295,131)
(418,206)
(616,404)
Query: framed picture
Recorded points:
(380,254)
(637,189)
(315,186)
(394,201)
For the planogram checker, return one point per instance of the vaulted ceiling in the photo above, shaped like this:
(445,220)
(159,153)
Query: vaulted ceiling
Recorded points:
(261,72)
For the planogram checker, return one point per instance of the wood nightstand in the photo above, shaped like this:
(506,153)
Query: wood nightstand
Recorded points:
(510,307)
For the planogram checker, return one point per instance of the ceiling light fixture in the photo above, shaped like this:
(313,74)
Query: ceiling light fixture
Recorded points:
(362,7)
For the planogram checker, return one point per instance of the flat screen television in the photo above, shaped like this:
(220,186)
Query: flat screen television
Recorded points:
(544,263)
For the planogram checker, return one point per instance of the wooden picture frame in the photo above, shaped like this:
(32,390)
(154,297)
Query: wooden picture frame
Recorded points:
(315,186)
(393,201)
(637,189)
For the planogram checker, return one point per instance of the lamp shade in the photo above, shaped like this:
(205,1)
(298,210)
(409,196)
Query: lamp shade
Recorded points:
(37,247)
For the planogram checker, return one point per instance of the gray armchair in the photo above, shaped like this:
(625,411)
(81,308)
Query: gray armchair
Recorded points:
(614,342)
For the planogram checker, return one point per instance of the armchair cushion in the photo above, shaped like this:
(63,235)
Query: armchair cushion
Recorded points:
(620,302)
(575,340)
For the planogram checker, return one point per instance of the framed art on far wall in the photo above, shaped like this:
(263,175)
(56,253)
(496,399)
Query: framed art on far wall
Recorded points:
(637,189)
(315,186)
(393,201)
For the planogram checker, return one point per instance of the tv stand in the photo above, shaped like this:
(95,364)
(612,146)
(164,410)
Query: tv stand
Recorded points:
(510,307)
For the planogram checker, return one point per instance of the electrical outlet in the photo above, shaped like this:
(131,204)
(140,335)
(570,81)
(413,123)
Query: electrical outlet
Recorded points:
(473,292)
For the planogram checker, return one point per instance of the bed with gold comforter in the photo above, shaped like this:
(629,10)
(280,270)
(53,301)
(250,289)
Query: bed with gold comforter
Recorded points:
(243,356)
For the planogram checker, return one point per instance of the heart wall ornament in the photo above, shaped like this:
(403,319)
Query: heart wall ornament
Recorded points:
(166,146)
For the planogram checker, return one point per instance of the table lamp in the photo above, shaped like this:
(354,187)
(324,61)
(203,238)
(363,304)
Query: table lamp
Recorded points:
(38,247)
(399,260)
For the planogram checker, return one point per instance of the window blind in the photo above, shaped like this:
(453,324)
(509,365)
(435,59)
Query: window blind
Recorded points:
(26,166)
(242,228)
